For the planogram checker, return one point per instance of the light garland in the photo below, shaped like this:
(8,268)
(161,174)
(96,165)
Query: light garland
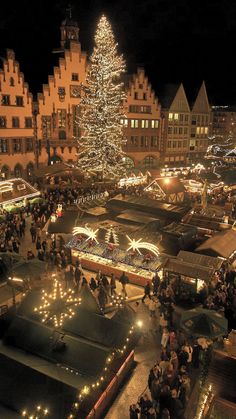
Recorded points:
(118,301)
(136,245)
(58,305)
(206,397)
(86,231)
(111,237)
(39,412)
(86,390)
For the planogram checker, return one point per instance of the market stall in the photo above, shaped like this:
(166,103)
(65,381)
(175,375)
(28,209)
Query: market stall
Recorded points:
(14,193)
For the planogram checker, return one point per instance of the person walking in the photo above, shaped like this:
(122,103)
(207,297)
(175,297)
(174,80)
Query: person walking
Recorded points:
(124,280)
(33,232)
(147,290)
(112,284)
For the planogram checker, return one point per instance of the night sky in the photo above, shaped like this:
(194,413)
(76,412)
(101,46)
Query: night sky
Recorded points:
(174,40)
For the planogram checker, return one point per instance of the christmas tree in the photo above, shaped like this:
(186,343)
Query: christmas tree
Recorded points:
(100,147)
(111,237)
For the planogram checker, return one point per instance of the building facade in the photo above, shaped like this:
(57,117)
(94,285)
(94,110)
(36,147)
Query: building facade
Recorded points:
(17,145)
(58,104)
(200,126)
(176,116)
(141,123)
(185,129)
(223,125)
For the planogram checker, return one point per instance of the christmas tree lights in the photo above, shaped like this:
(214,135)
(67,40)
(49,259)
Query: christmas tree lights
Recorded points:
(58,305)
(86,231)
(100,147)
(111,237)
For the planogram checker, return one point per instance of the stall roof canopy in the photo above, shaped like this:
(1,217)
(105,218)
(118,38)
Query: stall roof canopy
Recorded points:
(14,190)
(57,169)
(147,205)
(221,376)
(137,217)
(221,244)
(64,224)
(202,260)
(188,269)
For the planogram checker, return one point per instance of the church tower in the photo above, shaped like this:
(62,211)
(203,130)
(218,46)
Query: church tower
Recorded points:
(69,30)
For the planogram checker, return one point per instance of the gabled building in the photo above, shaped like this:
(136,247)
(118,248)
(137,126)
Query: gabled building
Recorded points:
(176,115)
(142,123)
(16,123)
(200,123)
(58,104)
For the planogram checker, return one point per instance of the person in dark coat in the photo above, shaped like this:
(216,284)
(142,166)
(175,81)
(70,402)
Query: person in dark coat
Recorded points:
(156,283)
(134,412)
(124,280)
(147,290)
(92,284)
(113,284)
(176,406)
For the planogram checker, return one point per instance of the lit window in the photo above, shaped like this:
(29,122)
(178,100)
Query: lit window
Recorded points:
(170,116)
(202,130)
(198,130)
(206,130)
(134,123)
(144,123)
(124,122)
(155,123)
(176,116)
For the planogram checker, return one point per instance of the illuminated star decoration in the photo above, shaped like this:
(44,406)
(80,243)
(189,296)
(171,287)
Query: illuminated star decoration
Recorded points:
(91,234)
(118,301)
(58,305)
(135,245)
(39,412)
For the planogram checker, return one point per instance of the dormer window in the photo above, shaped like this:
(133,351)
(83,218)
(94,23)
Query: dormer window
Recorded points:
(12,81)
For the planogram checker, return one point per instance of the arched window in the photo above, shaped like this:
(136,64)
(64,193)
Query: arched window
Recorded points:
(128,162)
(18,170)
(5,172)
(62,135)
(30,169)
(149,161)
(12,81)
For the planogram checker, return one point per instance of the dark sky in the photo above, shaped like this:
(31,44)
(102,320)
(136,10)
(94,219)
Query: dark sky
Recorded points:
(174,40)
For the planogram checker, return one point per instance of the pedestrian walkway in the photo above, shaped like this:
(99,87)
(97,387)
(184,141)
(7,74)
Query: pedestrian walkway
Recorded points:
(146,354)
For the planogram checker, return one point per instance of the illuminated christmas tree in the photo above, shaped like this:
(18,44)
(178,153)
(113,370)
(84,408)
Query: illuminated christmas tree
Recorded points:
(100,147)
(111,237)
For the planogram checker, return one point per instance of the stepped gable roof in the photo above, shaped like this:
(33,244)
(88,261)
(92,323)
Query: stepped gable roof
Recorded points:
(221,244)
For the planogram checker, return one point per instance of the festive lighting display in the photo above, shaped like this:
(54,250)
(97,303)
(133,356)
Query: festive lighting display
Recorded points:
(111,237)
(100,147)
(38,413)
(204,402)
(136,245)
(118,300)
(86,231)
(88,389)
(58,305)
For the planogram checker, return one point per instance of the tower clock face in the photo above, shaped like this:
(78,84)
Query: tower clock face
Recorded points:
(75,91)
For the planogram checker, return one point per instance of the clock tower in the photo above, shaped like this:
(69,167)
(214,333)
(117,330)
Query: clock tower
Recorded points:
(69,30)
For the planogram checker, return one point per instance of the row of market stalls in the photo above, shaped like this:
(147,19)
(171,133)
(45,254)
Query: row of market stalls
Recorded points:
(15,193)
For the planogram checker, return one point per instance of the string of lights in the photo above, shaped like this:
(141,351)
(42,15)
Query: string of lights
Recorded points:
(38,413)
(58,305)
(86,390)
